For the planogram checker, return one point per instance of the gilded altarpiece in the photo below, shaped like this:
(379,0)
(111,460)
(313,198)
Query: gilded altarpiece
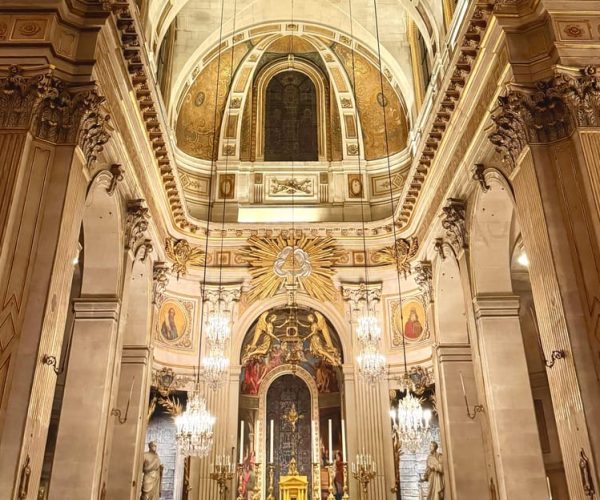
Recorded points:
(291,361)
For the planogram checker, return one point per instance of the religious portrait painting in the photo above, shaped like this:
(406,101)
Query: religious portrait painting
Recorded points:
(174,324)
(409,319)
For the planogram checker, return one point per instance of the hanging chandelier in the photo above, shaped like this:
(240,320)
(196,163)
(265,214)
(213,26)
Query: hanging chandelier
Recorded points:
(217,328)
(368,330)
(214,366)
(411,423)
(371,363)
(195,427)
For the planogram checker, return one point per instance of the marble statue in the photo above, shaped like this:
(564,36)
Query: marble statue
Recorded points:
(152,474)
(434,473)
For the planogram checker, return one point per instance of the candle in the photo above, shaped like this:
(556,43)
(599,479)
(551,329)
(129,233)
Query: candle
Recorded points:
(271,443)
(343,441)
(462,382)
(549,490)
(242,442)
(256,440)
(330,443)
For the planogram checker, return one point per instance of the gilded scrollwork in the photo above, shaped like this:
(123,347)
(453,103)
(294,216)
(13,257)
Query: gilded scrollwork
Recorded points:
(183,255)
(400,254)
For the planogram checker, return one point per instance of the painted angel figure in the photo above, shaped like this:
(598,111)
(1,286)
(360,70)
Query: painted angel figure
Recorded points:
(263,330)
(321,344)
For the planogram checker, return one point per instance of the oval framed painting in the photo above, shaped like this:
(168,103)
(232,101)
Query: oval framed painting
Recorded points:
(173,321)
(412,322)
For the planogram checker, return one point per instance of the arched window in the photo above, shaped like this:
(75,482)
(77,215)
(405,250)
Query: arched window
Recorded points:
(291,118)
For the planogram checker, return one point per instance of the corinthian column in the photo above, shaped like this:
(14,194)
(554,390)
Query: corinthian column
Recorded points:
(550,141)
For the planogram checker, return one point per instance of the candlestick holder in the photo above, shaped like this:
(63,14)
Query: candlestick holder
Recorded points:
(257,477)
(345,496)
(271,481)
(222,474)
(331,476)
(364,472)
(316,495)
(240,482)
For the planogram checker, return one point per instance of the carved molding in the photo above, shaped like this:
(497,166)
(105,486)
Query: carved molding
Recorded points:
(118,174)
(479,176)
(438,246)
(423,274)
(454,223)
(136,224)
(160,280)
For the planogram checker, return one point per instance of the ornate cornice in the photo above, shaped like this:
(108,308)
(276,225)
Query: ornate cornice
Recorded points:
(464,62)
(147,100)
(546,112)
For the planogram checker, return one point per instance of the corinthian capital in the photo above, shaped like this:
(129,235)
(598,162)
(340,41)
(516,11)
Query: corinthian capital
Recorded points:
(136,224)
(423,274)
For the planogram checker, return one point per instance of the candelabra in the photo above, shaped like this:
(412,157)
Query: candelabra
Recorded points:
(223,471)
(271,481)
(364,470)
(240,482)
(256,490)
(345,496)
(316,482)
(331,475)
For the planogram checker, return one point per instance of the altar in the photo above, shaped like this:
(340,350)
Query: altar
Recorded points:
(293,488)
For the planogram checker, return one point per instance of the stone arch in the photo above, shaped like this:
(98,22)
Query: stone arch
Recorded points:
(492,221)
(103,245)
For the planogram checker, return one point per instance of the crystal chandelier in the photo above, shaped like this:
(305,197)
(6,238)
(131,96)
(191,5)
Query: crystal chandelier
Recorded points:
(217,328)
(214,366)
(371,363)
(195,427)
(411,423)
(368,330)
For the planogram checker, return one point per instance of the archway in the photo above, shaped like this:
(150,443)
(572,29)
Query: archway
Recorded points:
(290,355)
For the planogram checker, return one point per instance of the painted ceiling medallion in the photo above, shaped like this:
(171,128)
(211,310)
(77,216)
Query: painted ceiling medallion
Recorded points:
(279,263)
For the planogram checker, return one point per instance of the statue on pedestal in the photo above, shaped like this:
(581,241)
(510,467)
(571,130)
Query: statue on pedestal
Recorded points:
(434,474)
(152,474)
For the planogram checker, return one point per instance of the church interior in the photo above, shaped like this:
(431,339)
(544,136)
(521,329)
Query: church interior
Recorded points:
(299,249)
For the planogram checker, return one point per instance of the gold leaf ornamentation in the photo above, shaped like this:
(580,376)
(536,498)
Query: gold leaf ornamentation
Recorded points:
(183,255)
(279,261)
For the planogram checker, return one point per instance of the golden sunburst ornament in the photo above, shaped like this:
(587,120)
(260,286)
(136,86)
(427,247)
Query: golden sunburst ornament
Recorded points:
(277,262)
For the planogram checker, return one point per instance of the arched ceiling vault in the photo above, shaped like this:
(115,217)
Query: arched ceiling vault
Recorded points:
(341,60)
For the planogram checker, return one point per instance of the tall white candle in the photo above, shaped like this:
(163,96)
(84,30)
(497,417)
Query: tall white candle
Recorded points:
(256,440)
(343,441)
(271,442)
(549,490)
(330,443)
(462,382)
(242,442)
